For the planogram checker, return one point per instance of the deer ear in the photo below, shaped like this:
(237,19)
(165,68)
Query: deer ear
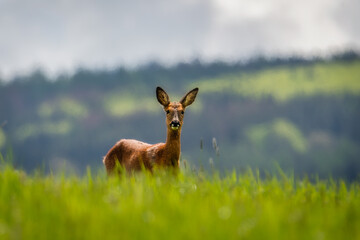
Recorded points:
(162,97)
(189,98)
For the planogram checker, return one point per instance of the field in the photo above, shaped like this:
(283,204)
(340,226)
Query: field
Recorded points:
(190,205)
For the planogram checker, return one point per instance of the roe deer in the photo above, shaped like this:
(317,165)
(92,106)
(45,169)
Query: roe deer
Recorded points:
(133,155)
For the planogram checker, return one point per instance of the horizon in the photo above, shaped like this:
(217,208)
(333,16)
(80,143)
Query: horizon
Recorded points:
(54,76)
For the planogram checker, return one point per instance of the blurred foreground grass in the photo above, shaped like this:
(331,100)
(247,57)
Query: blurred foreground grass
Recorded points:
(188,206)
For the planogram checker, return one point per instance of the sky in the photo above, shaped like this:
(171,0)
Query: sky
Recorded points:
(60,36)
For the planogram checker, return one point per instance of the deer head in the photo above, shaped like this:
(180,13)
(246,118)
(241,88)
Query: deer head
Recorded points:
(175,110)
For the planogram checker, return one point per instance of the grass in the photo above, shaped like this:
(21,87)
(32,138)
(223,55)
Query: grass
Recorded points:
(188,206)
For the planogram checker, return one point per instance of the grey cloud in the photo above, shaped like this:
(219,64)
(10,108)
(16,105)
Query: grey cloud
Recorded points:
(347,16)
(65,34)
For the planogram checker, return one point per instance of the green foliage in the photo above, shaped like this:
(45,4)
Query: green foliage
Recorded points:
(2,138)
(25,131)
(283,129)
(123,104)
(187,206)
(284,83)
(65,106)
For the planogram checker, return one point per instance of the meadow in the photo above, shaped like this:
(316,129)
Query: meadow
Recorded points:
(190,205)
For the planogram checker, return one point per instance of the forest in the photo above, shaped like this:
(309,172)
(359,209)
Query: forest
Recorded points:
(298,114)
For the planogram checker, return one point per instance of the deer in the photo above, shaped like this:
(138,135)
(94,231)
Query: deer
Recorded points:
(133,155)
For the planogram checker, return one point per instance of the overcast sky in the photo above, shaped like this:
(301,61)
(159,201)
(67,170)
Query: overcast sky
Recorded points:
(62,35)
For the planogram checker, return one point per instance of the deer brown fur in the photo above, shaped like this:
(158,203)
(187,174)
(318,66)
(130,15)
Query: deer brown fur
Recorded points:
(132,155)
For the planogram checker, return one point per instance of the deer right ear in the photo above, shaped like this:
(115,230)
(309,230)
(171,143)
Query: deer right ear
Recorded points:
(162,97)
(189,98)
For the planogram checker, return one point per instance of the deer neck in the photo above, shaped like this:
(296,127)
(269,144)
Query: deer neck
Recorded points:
(172,144)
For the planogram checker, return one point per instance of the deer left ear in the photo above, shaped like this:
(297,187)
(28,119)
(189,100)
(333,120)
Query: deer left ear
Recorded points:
(162,96)
(189,98)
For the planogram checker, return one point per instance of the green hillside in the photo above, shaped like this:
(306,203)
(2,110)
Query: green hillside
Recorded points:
(286,83)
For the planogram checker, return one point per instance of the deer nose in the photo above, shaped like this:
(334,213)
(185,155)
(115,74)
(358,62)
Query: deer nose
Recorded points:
(175,123)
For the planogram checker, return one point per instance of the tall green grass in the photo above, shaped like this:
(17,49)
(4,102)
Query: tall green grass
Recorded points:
(187,206)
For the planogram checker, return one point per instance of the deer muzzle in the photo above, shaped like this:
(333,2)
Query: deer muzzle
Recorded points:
(175,125)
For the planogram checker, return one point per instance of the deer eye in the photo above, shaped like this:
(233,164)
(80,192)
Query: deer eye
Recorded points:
(182,112)
(167,111)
